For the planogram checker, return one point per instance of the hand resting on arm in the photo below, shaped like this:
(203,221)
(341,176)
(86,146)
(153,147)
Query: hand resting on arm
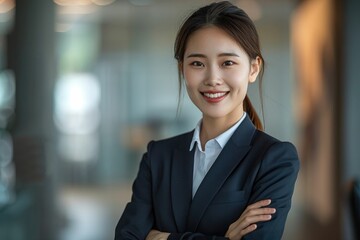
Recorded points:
(257,212)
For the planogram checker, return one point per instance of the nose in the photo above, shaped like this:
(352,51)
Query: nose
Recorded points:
(213,77)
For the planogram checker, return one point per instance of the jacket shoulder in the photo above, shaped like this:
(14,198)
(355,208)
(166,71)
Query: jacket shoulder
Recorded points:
(265,141)
(261,136)
(178,141)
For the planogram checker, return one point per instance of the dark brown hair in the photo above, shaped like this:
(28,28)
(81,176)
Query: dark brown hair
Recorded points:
(238,25)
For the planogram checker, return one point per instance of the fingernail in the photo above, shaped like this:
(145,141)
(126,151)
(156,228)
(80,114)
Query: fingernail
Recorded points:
(273,210)
(268,217)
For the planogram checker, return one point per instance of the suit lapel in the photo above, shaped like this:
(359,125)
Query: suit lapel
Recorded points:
(181,182)
(229,158)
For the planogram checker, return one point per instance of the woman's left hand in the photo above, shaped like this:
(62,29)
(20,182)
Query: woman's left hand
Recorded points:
(157,235)
(254,213)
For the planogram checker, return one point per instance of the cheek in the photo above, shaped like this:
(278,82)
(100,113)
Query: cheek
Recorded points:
(191,79)
(238,80)
(191,89)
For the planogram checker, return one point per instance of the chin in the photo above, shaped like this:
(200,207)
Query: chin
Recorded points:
(211,114)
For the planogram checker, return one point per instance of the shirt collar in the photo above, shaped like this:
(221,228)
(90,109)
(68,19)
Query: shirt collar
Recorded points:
(222,139)
(196,135)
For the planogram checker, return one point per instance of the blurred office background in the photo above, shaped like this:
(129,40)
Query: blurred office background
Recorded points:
(85,84)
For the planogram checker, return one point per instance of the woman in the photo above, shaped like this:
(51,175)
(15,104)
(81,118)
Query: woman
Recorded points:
(227,179)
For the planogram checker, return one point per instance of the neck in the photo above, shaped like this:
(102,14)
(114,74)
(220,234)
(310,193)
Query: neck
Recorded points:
(213,127)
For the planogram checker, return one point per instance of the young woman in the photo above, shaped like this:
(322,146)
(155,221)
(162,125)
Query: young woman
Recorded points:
(226,179)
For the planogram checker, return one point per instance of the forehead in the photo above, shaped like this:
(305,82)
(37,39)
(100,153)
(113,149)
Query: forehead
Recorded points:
(210,39)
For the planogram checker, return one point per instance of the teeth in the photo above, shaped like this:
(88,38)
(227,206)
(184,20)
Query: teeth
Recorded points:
(214,95)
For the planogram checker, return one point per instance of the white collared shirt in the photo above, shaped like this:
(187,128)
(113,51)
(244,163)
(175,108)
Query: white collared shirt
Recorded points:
(203,160)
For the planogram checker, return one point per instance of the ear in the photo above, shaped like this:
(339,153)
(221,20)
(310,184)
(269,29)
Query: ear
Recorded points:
(255,67)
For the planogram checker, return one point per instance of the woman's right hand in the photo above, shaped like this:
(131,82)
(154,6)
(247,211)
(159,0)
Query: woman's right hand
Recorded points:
(257,212)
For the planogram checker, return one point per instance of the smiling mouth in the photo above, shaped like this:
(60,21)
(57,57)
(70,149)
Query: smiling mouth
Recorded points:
(214,96)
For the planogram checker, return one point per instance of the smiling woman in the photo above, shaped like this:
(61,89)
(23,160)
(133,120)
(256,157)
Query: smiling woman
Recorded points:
(226,179)
(217,72)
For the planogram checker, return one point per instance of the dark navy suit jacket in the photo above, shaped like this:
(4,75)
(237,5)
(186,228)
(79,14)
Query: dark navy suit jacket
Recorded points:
(252,166)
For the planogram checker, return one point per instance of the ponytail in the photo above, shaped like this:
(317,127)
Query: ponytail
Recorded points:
(250,110)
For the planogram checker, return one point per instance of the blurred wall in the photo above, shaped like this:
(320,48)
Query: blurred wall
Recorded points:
(351,87)
(350,158)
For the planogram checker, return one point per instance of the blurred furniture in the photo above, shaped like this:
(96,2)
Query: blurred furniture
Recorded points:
(355,206)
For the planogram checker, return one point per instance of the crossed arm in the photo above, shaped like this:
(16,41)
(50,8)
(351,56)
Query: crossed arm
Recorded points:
(275,179)
(254,213)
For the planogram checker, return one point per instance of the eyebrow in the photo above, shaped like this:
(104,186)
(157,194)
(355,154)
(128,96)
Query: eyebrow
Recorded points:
(199,55)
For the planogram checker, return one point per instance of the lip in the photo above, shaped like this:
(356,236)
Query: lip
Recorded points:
(213,98)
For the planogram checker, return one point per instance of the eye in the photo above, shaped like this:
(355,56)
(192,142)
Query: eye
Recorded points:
(197,64)
(228,63)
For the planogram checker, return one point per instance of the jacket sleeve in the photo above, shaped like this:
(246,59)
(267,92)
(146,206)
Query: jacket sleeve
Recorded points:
(275,180)
(137,219)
